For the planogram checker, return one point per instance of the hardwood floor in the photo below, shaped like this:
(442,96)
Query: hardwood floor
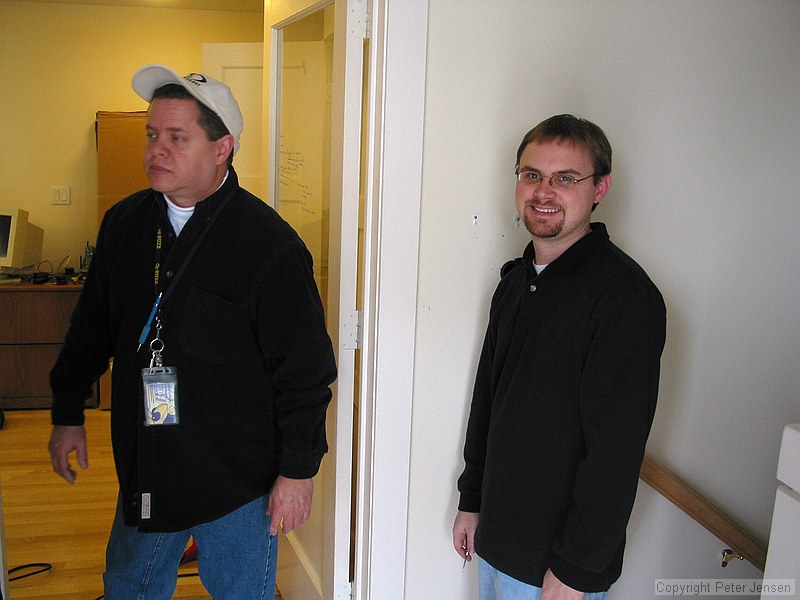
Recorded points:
(48,521)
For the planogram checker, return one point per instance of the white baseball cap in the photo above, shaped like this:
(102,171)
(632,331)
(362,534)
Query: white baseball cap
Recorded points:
(212,93)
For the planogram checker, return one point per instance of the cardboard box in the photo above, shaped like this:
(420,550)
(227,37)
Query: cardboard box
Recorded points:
(121,144)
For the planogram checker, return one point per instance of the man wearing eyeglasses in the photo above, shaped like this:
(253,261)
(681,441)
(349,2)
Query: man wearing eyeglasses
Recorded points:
(566,386)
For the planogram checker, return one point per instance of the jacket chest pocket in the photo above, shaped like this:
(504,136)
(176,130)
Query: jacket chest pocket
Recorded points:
(214,329)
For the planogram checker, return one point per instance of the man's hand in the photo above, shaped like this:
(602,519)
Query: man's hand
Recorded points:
(65,439)
(553,589)
(290,502)
(464,534)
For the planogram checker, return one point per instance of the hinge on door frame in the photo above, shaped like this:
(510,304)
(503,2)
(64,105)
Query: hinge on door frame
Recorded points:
(361,19)
(351,330)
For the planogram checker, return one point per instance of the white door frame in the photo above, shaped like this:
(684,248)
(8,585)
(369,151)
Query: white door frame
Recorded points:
(333,582)
(392,224)
(396,93)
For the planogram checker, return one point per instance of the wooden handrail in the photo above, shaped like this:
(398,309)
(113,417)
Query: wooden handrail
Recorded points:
(702,511)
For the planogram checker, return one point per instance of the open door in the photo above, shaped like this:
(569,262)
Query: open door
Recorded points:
(314,84)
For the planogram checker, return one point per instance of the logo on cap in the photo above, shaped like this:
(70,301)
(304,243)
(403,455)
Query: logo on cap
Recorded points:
(196,78)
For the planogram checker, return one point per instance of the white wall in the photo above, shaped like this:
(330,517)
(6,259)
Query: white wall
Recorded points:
(665,543)
(699,100)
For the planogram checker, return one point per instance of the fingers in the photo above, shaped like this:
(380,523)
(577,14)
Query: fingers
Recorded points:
(83,456)
(59,459)
(464,546)
(62,467)
(464,529)
(274,521)
(460,541)
(290,523)
(63,441)
(460,544)
(290,517)
(289,504)
(279,515)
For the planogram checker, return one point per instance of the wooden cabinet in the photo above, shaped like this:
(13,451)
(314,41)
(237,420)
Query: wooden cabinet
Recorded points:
(33,322)
(121,142)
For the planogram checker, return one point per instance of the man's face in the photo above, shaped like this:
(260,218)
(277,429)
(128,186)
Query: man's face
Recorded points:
(179,159)
(549,212)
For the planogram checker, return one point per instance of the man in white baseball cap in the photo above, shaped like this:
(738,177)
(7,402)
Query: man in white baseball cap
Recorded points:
(206,300)
(211,93)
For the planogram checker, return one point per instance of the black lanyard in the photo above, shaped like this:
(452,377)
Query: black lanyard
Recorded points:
(162,296)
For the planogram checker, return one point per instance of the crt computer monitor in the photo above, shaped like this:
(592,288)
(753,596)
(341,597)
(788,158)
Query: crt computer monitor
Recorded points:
(20,243)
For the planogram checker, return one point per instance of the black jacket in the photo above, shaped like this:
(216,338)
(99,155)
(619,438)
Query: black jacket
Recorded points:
(245,330)
(563,403)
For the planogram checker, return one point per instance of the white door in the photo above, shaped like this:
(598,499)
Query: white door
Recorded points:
(314,53)
(240,66)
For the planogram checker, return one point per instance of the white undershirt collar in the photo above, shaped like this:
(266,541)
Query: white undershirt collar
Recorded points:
(179,215)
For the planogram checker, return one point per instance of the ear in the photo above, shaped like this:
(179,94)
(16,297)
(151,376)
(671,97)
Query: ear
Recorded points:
(602,188)
(224,148)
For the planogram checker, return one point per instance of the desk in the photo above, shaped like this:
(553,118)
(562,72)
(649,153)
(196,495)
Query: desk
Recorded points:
(33,322)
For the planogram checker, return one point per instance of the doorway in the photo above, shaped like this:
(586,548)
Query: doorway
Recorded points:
(314,135)
(389,225)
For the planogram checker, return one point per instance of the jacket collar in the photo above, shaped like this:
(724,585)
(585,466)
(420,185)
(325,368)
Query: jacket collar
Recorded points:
(575,254)
(206,207)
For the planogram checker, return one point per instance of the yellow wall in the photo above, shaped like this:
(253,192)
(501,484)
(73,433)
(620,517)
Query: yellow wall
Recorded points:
(59,65)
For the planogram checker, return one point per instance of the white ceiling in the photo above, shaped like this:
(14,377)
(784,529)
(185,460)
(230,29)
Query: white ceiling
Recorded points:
(256,6)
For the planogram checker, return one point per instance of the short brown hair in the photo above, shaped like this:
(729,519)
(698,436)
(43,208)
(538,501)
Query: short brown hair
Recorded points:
(574,130)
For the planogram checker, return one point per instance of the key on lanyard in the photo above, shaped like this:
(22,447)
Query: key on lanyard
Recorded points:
(157,346)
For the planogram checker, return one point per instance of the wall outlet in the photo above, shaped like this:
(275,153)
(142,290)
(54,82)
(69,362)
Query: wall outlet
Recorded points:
(59,195)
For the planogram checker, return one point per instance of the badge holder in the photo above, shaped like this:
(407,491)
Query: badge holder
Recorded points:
(160,382)
(160,387)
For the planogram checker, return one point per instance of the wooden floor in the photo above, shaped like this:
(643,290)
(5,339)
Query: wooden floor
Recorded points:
(49,521)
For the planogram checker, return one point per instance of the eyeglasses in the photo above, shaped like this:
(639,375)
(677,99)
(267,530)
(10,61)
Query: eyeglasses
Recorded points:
(563,181)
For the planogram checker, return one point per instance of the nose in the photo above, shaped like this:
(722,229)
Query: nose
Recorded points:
(545,189)
(155,147)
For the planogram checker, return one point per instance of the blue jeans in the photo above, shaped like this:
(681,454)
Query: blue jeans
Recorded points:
(495,585)
(236,557)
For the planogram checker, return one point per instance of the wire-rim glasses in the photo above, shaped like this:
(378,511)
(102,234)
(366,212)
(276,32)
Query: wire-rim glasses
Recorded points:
(563,181)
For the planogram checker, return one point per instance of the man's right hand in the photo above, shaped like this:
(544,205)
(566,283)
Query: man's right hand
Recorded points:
(464,534)
(65,439)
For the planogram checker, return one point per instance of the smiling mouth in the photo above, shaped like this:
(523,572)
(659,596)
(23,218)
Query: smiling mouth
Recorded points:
(547,211)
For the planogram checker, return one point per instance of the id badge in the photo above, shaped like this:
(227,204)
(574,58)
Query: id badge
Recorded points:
(160,396)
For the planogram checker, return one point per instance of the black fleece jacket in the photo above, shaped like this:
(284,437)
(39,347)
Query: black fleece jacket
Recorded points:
(245,330)
(563,402)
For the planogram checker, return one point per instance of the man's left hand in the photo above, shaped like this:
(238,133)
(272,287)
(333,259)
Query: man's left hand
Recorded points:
(290,503)
(554,589)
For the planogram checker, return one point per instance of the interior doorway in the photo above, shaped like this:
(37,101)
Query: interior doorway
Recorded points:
(392,168)
(314,132)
